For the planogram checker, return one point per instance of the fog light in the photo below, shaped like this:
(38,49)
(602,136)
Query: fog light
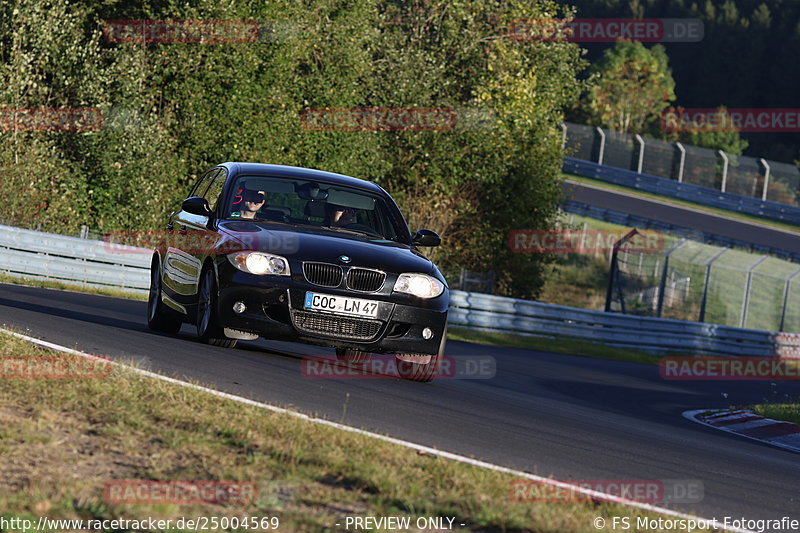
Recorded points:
(239,308)
(427,333)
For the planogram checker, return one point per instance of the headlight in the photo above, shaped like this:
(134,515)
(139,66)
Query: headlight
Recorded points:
(420,285)
(260,263)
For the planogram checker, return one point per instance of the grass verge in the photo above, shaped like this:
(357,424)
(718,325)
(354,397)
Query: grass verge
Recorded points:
(62,440)
(787,412)
(683,203)
(62,286)
(565,346)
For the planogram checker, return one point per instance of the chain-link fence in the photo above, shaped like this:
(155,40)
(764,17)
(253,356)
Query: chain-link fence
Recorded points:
(688,280)
(748,176)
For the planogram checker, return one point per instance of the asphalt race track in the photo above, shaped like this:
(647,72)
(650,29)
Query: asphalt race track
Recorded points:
(683,216)
(565,416)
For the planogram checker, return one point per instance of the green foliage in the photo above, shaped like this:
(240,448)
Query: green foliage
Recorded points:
(724,138)
(745,59)
(630,87)
(171,110)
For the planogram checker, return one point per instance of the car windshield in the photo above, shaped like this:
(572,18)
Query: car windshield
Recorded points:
(308,203)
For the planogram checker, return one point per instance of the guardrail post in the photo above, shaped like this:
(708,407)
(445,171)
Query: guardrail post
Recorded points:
(602,134)
(682,163)
(786,289)
(724,170)
(716,256)
(766,178)
(746,301)
(640,163)
(663,285)
(563,136)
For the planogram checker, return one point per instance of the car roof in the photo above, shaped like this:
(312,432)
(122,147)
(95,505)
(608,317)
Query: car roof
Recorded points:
(263,169)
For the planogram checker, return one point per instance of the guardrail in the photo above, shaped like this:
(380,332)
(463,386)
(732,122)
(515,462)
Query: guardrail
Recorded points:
(510,315)
(47,256)
(96,263)
(635,221)
(684,191)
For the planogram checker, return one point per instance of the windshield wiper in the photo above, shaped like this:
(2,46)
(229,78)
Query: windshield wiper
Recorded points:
(358,232)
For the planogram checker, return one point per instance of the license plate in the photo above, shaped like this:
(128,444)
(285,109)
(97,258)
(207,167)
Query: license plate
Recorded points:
(341,305)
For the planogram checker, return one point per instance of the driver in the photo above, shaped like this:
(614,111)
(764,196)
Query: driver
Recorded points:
(252,202)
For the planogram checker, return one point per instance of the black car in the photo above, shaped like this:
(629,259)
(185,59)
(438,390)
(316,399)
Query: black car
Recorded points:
(303,255)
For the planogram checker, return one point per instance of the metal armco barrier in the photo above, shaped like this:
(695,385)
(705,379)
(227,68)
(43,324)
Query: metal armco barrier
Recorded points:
(40,255)
(510,315)
(684,191)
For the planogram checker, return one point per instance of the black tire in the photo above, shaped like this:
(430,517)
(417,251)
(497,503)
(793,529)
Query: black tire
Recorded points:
(159,316)
(422,372)
(208,329)
(349,355)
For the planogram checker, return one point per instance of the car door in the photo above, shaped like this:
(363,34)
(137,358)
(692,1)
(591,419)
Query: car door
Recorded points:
(203,236)
(181,266)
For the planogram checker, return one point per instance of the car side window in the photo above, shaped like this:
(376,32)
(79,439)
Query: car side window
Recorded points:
(214,192)
(203,183)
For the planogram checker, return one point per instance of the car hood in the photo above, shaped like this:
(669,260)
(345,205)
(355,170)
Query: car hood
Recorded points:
(327,246)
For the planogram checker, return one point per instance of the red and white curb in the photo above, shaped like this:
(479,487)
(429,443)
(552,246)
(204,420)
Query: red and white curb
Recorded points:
(785,435)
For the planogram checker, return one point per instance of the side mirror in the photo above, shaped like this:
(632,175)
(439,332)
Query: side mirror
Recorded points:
(197,205)
(426,237)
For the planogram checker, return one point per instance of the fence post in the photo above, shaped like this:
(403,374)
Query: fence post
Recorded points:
(766,178)
(682,163)
(563,136)
(786,297)
(639,164)
(662,286)
(600,132)
(724,170)
(716,256)
(746,302)
(462,279)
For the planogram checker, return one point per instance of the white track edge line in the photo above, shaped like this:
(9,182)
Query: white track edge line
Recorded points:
(419,447)
(692,414)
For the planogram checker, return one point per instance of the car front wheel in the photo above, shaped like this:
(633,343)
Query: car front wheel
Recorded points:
(421,367)
(208,329)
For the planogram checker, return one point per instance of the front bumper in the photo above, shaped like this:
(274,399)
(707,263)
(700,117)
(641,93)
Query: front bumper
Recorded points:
(274,310)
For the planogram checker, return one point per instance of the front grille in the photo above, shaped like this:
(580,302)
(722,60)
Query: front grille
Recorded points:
(335,326)
(323,274)
(362,279)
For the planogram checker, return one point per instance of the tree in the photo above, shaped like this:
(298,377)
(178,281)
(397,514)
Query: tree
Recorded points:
(720,136)
(630,87)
